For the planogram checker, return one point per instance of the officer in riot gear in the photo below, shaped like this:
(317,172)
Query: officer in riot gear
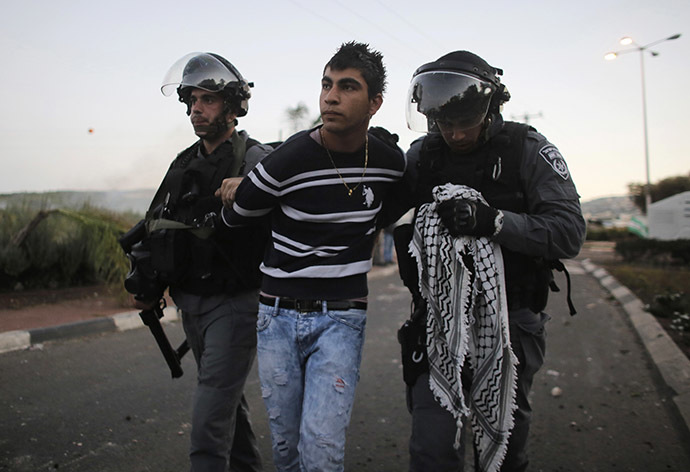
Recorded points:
(530,208)
(212,272)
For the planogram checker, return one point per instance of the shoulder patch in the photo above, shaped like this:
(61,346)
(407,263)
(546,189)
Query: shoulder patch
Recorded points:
(553,157)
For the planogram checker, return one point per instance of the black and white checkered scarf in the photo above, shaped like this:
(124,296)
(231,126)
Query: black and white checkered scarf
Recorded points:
(462,281)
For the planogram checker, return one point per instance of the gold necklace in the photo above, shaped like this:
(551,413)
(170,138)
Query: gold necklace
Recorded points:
(366,162)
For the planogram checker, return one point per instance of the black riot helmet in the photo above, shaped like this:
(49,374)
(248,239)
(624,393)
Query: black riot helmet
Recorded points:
(210,72)
(460,87)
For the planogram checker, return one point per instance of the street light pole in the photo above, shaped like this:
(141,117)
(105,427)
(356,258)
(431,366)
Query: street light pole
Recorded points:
(612,55)
(648,186)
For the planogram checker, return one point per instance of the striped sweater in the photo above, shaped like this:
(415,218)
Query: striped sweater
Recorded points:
(322,239)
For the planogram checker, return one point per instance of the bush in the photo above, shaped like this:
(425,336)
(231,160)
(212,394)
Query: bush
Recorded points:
(667,304)
(61,248)
(599,233)
(675,306)
(655,252)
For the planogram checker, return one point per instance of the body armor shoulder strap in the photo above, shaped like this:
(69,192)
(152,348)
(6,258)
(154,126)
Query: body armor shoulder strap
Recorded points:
(171,187)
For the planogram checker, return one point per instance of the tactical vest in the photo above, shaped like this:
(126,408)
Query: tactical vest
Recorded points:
(190,247)
(494,171)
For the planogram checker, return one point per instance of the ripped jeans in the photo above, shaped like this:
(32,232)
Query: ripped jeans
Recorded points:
(309,368)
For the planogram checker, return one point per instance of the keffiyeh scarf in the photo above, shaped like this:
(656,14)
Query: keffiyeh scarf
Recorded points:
(462,281)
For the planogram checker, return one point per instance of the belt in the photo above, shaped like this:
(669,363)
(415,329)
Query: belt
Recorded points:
(311,306)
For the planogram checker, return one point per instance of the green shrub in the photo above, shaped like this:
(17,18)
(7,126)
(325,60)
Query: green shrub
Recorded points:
(655,252)
(676,306)
(668,304)
(599,233)
(61,248)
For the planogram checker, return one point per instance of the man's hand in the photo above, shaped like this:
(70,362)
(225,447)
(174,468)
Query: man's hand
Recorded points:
(227,190)
(142,305)
(465,217)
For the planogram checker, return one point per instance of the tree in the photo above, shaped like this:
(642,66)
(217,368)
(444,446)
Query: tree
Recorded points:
(297,116)
(663,189)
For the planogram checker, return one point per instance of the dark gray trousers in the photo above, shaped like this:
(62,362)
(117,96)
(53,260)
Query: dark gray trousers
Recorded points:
(434,429)
(223,341)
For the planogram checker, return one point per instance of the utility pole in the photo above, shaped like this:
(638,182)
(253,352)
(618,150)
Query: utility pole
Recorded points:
(626,41)
(525,117)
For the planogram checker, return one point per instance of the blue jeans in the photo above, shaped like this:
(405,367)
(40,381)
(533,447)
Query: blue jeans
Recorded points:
(309,368)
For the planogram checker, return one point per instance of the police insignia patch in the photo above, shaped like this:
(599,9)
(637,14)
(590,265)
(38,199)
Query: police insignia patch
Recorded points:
(553,157)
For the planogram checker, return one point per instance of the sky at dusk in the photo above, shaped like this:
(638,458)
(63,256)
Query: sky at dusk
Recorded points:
(74,66)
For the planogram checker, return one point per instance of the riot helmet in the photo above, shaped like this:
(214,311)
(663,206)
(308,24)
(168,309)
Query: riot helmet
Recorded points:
(459,87)
(210,72)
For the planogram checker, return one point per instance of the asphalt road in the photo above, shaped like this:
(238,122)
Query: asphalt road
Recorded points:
(106,403)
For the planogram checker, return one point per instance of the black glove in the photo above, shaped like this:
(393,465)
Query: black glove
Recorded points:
(465,217)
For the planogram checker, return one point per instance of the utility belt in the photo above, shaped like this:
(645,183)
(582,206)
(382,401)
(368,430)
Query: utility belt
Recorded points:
(212,285)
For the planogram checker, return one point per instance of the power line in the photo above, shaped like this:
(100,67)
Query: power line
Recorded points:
(526,117)
(410,24)
(378,27)
(328,20)
(363,18)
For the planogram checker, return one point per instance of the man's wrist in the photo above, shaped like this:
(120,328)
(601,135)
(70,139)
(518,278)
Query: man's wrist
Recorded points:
(498,223)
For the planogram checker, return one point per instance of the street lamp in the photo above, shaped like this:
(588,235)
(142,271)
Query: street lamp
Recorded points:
(626,41)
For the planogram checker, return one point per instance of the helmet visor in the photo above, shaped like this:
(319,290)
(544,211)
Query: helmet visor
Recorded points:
(198,70)
(447,96)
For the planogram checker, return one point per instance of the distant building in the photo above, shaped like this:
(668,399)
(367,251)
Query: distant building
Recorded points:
(610,212)
(670,218)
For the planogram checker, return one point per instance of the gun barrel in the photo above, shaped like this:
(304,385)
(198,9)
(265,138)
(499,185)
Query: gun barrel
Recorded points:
(151,318)
(133,236)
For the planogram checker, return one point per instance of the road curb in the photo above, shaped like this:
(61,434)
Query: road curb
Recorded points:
(24,339)
(671,363)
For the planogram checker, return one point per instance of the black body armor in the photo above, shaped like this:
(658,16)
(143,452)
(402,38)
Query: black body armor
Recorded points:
(494,170)
(191,249)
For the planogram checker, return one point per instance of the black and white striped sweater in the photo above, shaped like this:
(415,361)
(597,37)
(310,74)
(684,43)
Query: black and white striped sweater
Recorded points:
(322,239)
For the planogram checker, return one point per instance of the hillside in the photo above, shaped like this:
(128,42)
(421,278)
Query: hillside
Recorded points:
(609,208)
(134,201)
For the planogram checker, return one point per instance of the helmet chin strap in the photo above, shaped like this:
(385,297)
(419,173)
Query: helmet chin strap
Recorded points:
(216,129)
(488,121)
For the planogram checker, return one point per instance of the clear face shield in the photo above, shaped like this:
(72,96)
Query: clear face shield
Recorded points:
(199,70)
(447,98)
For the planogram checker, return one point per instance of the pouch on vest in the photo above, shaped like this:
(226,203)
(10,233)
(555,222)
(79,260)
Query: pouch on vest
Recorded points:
(538,294)
(169,254)
(204,275)
(546,283)
(412,334)
(412,339)
(407,266)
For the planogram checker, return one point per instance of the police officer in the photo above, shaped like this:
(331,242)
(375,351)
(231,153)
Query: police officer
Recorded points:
(532,211)
(212,272)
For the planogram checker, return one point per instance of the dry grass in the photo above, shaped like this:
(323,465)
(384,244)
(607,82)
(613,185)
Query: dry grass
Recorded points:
(646,282)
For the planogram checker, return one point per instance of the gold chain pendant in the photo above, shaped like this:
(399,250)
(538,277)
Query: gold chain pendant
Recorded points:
(366,163)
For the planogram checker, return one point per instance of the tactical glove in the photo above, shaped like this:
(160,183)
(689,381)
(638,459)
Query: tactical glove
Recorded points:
(469,218)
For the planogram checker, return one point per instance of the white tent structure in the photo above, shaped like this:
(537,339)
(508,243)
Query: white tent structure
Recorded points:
(669,218)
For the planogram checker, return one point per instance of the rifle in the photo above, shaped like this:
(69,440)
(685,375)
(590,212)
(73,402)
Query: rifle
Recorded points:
(142,282)
(151,318)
